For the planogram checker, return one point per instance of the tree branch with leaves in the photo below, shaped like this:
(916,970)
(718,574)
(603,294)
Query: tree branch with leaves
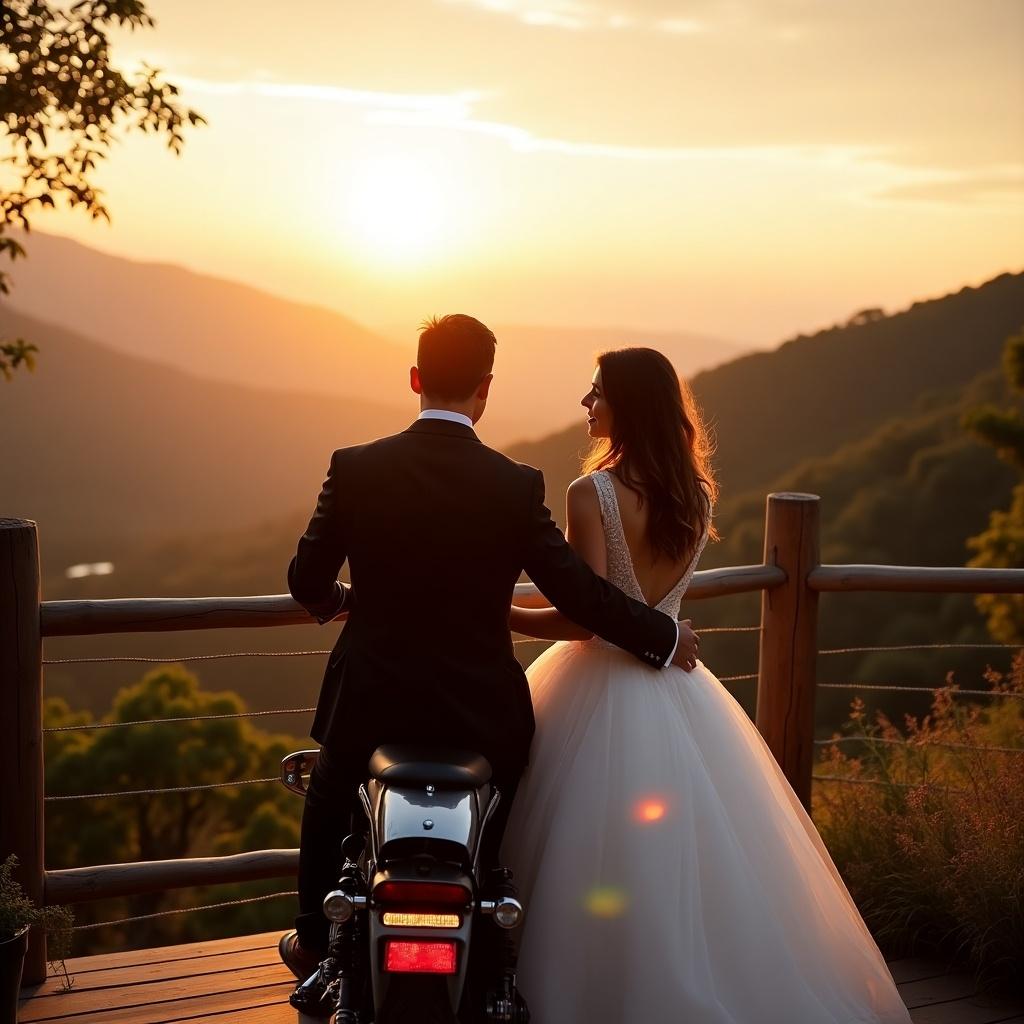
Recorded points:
(62,104)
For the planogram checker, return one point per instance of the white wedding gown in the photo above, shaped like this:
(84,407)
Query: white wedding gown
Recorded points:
(668,871)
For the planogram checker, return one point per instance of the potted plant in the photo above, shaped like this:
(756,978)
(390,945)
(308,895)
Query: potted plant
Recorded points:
(17,914)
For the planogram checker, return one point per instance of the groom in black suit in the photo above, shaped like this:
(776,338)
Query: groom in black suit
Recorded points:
(436,528)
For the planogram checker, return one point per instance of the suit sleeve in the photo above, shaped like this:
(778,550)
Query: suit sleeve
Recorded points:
(313,572)
(583,596)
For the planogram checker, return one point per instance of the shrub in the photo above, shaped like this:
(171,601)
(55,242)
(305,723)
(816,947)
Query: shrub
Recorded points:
(927,827)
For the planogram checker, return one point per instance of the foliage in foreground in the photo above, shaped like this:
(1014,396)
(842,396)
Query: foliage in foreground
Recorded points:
(929,835)
(196,750)
(17,911)
(62,105)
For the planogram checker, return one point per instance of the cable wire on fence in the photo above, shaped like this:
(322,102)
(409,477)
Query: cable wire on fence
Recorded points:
(911,746)
(728,629)
(176,659)
(187,657)
(922,647)
(183,718)
(165,789)
(894,688)
(882,782)
(182,910)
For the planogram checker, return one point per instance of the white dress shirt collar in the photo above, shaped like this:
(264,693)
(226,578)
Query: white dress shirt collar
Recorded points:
(444,414)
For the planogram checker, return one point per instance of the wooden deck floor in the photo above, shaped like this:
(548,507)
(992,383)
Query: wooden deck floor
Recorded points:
(242,981)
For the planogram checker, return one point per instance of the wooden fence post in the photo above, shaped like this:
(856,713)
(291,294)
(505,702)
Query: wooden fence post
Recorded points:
(21,723)
(789,638)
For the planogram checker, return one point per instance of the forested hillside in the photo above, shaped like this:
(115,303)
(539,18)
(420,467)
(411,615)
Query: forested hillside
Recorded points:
(910,490)
(771,410)
(103,448)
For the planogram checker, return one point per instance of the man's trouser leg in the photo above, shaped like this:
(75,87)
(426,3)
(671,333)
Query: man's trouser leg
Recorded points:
(332,802)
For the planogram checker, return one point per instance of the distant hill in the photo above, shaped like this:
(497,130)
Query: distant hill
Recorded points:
(910,493)
(907,489)
(103,448)
(227,331)
(771,410)
(205,325)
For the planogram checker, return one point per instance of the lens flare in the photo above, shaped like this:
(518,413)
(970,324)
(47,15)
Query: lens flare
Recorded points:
(649,810)
(605,901)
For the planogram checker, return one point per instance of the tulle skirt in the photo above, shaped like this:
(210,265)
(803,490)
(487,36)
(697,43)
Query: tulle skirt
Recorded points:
(668,871)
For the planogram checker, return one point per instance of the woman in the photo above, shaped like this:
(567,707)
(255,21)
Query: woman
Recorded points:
(668,870)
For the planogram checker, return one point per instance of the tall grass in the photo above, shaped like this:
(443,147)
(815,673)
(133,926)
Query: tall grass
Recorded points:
(927,827)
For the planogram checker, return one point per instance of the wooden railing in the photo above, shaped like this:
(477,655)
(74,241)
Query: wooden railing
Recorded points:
(790,580)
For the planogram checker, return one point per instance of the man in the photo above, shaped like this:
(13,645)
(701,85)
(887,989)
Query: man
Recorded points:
(436,528)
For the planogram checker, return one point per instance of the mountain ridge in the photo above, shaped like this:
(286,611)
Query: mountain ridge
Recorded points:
(227,330)
(761,406)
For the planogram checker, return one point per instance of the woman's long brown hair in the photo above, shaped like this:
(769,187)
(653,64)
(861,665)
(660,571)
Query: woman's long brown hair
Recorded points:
(659,448)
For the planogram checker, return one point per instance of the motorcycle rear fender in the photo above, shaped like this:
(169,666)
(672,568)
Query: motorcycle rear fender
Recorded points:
(448,821)
(407,870)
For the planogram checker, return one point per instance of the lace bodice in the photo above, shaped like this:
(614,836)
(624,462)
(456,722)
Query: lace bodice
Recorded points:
(620,563)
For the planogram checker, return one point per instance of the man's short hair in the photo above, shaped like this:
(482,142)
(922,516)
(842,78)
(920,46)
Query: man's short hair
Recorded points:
(455,353)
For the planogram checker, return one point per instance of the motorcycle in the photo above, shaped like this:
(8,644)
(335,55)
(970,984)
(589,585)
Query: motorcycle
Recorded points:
(420,931)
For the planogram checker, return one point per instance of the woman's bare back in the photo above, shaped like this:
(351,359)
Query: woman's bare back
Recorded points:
(656,574)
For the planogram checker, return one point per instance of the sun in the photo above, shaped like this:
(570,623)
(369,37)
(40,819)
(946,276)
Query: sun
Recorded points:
(399,211)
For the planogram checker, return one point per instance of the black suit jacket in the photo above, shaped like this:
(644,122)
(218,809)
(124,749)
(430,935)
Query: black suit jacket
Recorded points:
(436,528)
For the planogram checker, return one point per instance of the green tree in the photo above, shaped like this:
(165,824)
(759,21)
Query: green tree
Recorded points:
(163,755)
(1002,544)
(192,822)
(62,103)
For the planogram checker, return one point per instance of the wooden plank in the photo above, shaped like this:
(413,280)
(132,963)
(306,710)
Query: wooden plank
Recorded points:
(182,951)
(789,638)
(963,1011)
(104,881)
(910,969)
(205,1007)
(274,1014)
(129,996)
(945,988)
(170,614)
(120,977)
(916,579)
(21,724)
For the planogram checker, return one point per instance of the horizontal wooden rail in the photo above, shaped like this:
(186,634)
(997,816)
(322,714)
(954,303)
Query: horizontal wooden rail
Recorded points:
(916,579)
(103,881)
(169,614)
(79,618)
(174,614)
(736,579)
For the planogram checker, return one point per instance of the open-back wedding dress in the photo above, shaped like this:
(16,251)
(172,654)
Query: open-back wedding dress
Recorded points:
(669,873)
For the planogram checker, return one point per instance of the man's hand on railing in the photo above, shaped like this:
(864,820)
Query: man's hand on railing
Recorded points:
(686,650)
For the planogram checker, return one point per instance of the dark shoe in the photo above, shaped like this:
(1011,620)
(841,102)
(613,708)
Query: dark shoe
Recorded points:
(301,962)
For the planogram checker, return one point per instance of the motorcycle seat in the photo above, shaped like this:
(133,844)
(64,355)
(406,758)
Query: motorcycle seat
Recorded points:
(446,768)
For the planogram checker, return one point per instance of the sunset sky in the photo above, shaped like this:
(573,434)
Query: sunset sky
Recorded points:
(741,169)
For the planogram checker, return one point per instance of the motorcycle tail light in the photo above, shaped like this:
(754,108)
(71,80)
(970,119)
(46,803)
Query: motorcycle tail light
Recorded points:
(403,957)
(443,894)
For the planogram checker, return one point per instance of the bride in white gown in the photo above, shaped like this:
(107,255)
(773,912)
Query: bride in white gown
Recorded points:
(668,871)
